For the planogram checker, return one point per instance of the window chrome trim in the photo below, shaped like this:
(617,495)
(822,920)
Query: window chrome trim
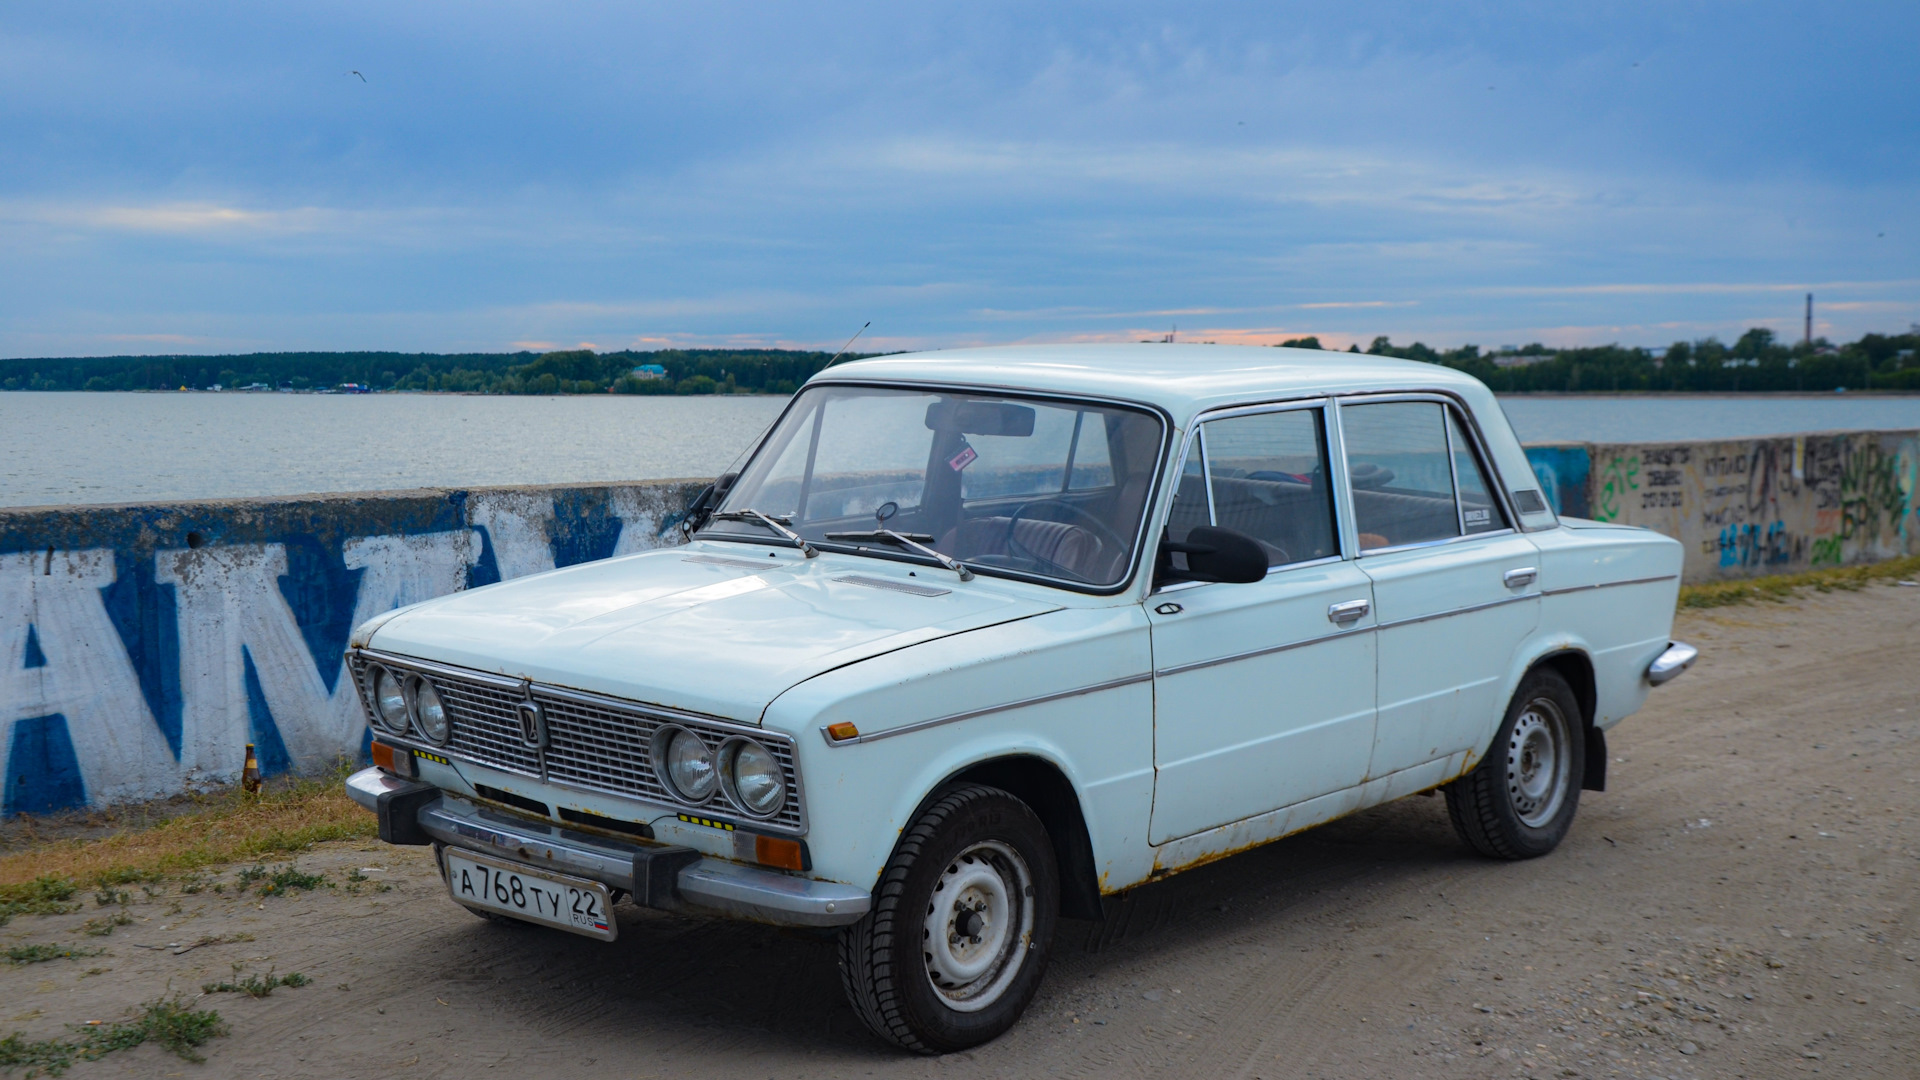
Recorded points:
(953,718)
(1442,542)
(1336,475)
(1474,434)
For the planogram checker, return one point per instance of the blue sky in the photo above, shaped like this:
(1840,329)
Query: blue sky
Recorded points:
(201,177)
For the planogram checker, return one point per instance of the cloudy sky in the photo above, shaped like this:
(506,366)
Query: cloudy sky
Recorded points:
(211,177)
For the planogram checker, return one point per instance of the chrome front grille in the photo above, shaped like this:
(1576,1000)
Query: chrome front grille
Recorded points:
(594,742)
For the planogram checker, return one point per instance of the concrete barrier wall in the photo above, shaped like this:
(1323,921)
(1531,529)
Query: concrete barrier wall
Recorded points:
(142,647)
(1747,507)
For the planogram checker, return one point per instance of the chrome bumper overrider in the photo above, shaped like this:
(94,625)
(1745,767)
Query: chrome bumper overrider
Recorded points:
(1668,666)
(704,884)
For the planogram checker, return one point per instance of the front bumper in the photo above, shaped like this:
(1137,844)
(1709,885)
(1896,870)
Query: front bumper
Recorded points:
(656,875)
(1671,664)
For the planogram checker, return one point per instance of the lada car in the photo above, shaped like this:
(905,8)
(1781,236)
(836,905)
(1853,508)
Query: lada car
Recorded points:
(974,639)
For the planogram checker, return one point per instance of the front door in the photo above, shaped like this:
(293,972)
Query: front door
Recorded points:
(1453,584)
(1263,692)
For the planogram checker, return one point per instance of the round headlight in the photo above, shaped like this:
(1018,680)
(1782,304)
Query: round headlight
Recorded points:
(430,712)
(754,777)
(690,770)
(390,701)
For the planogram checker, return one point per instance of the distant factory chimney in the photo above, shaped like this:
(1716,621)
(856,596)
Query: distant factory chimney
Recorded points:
(1808,338)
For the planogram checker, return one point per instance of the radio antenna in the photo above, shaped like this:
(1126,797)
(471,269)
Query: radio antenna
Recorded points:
(850,341)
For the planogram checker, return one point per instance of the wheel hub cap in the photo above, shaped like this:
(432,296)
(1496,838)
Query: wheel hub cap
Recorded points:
(977,926)
(1538,763)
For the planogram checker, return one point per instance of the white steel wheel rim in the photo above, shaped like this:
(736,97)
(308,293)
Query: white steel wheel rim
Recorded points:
(1538,762)
(979,925)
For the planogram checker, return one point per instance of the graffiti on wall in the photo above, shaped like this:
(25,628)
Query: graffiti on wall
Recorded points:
(1761,506)
(142,648)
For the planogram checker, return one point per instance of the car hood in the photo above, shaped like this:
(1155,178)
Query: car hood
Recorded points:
(720,629)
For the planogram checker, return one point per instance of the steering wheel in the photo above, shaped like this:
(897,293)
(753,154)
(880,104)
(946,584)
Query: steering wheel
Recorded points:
(1100,530)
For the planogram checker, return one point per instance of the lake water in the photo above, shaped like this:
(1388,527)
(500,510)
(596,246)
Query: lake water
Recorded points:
(61,448)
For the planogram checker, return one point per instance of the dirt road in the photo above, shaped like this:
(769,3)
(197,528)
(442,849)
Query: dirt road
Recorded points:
(1744,901)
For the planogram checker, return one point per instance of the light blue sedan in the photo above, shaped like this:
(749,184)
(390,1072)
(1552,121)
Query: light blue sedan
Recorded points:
(972,639)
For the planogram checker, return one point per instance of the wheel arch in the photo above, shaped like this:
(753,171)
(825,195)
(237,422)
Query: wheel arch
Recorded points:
(1043,786)
(1575,666)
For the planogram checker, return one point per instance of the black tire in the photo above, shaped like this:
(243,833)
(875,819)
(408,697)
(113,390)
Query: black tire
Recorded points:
(1519,802)
(970,842)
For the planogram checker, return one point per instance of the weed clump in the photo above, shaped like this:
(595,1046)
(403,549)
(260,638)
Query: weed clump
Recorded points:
(280,882)
(44,895)
(166,1021)
(256,985)
(104,925)
(22,955)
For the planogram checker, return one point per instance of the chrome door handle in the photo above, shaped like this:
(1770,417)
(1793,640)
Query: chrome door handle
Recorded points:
(1349,611)
(1521,578)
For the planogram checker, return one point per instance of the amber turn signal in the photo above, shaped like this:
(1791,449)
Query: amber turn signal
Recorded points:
(779,851)
(396,761)
(842,731)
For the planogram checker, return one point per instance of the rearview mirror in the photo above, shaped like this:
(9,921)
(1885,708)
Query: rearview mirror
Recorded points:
(1217,554)
(981,418)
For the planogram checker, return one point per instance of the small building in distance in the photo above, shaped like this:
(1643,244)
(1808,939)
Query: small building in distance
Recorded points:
(650,371)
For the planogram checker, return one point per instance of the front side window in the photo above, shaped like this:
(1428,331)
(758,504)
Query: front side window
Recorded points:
(1402,459)
(1265,475)
(1039,487)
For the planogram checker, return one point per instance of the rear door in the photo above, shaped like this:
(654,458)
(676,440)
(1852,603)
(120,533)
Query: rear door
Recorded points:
(1263,691)
(1453,583)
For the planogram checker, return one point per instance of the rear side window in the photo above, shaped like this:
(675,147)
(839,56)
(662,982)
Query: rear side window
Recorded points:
(1479,511)
(1266,475)
(1414,475)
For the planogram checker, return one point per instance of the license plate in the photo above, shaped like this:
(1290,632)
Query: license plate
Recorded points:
(537,896)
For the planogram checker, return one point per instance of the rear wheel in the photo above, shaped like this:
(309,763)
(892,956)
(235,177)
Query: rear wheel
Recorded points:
(958,937)
(1520,800)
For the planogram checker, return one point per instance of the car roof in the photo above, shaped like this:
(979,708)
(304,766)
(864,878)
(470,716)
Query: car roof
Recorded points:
(1182,379)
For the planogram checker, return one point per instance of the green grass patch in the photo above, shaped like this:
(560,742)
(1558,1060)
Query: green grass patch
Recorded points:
(104,925)
(228,827)
(1781,587)
(22,955)
(47,894)
(167,1021)
(256,985)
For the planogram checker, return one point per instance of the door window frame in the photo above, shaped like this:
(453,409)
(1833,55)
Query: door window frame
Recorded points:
(1344,542)
(1464,419)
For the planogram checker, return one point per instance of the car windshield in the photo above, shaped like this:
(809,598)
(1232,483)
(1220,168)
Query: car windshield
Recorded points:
(1020,485)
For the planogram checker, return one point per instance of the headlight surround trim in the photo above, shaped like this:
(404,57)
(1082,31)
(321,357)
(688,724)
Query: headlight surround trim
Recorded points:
(769,769)
(386,705)
(424,698)
(665,741)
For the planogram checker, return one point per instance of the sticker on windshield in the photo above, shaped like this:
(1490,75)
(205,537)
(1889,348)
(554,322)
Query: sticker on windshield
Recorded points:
(962,459)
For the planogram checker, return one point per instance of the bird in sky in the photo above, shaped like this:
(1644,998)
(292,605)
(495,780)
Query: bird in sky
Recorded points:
(363,78)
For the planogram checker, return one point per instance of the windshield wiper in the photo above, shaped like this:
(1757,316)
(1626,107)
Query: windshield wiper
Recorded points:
(777,524)
(905,540)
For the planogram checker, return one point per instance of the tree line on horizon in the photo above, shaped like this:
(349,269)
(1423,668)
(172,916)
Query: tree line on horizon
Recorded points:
(1756,362)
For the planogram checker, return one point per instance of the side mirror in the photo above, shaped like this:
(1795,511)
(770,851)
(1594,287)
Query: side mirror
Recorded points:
(704,504)
(1217,554)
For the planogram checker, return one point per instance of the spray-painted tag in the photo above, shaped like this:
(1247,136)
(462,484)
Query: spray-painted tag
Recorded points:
(962,459)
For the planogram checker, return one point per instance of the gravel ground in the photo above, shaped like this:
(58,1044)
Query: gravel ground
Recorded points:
(1741,902)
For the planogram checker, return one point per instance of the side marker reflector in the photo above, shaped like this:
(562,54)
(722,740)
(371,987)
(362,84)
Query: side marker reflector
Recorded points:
(842,731)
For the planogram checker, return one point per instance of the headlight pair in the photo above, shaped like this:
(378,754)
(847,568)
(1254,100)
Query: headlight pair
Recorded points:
(747,771)
(403,700)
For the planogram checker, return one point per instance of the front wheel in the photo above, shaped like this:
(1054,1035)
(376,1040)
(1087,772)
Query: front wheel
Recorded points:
(958,937)
(1518,803)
